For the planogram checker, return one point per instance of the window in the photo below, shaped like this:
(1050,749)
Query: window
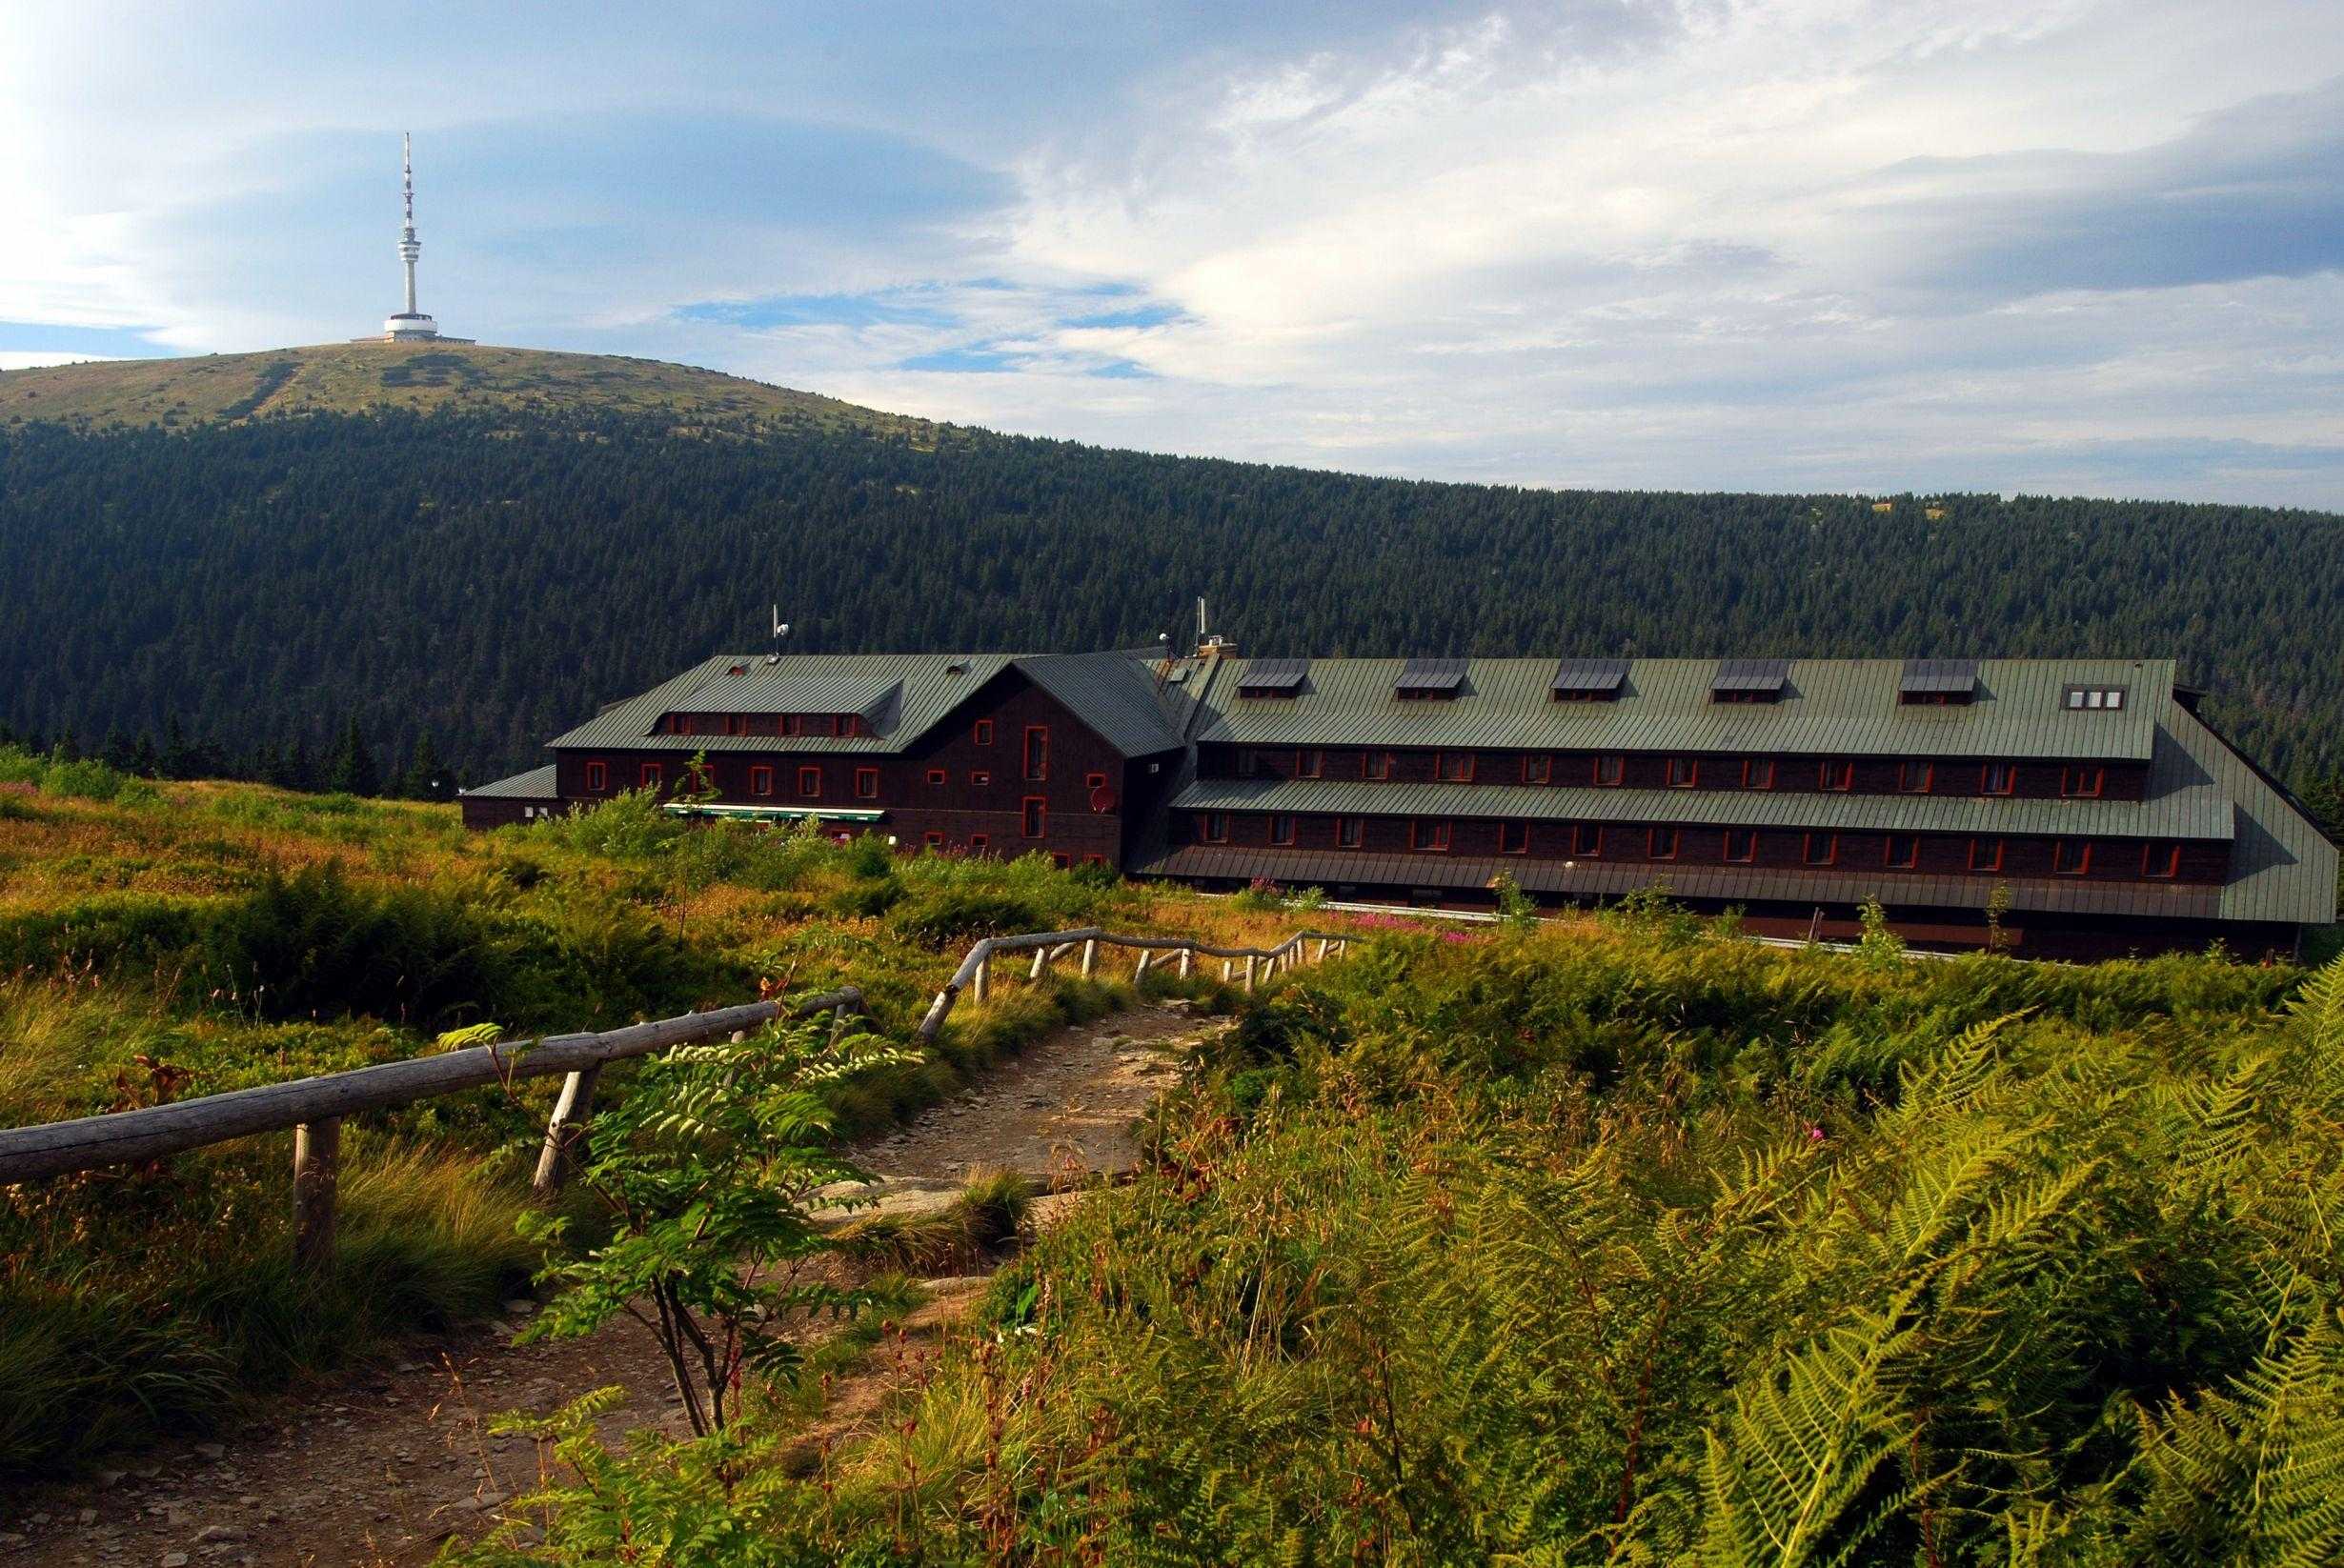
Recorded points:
(2086,698)
(1248,764)
(1986,855)
(1586,842)
(1309,764)
(2082,783)
(1821,848)
(1998,779)
(1094,859)
(1915,777)
(793,724)
(1757,772)
(649,778)
(938,775)
(1660,843)
(1513,839)
(1350,833)
(1455,768)
(978,779)
(760,781)
(1037,752)
(2160,860)
(852,724)
(1684,773)
(1425,833)
(1902,852)
(1741,845)
(810,783)
(982,734)
(1609,771)
(866,783)
(933,840)
(1035,819)
(2071,857)
(1094,781)
(1537,768)
(1282,830)
(1375,765)
(598,777)
(977,842)
(1836,775)
(1062,860)
(1213,827)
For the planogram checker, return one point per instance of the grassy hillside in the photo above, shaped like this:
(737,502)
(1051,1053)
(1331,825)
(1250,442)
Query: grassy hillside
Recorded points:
(367,376)
(165,942)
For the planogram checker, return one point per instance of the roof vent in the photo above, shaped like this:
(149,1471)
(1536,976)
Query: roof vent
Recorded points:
(958,667)
(1272,677)
(1590,681)
(1430,678)
(1937,682)
(1749,680)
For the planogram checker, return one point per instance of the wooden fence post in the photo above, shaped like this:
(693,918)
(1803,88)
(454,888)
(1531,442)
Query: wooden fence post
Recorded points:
(1139,970)
(1188,959)
(984,981)
(1042,961)
(1090,955)
(571,1109)
(318,1157)
(1248,976)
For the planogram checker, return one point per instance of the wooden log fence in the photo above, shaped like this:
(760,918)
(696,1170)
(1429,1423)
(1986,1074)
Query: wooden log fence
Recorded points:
(313,1108)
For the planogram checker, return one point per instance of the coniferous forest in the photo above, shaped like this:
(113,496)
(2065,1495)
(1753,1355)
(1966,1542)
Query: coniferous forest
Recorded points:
(398,596)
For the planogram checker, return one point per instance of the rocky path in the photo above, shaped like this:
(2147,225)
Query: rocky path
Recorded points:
(381,1468)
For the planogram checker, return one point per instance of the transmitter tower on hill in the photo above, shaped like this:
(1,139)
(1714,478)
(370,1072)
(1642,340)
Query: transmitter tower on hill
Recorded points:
(411,325)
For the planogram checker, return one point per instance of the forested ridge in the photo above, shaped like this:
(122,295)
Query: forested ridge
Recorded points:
(486,577)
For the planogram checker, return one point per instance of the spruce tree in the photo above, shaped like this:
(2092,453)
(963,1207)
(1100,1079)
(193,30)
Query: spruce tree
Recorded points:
(175,759)
(426,778)
(354,770)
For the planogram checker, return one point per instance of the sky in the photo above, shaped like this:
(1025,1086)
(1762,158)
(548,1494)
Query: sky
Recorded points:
(2075,246)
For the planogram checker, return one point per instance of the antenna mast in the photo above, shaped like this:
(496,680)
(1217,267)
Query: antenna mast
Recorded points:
(780,630)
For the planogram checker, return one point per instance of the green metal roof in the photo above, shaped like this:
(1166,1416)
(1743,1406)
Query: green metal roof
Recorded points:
(1829,707)
(536,784)
(1119,695)
(925,687)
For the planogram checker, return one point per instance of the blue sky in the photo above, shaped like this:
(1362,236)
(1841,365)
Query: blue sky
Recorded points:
(2071,246)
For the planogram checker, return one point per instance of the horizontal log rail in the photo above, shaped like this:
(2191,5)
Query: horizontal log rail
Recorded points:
(313,1108)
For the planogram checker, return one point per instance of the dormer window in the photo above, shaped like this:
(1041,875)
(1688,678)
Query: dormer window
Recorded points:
(1431,680)
(1750,680)
(1938,683)
(1273,678)
(1590,681)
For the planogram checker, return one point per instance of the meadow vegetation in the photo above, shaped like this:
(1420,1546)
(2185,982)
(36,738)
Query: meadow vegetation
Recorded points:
(1628,1244)
(164,940)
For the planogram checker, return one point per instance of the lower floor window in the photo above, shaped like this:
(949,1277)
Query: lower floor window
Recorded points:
(1904,852)
(933,840)
(1660,843)
(1821,848)
(1741,845)
(1426,834)
(1213,827)
(2160,860)
(760,781)
(650,776)
(598,777)
(1586,842)
(1350,833)
(977,842)
(1986,855)
(1282,830)
(2071,857)
(1036,821)
(1513,839)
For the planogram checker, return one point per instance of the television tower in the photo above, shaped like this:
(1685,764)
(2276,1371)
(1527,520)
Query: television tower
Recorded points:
(410,323)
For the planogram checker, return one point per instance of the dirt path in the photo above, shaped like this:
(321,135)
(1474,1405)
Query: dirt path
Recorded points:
(384,1466)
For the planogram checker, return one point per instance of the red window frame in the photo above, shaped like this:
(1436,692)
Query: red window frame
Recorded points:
(1537,768)
(598,777)
(792,724)
(809,783)
(1684,773)
(1662,843)
(933,840)
(761,780)
(1836,777)
(1094,859)
(1429,834)
(1744,839)
(938,775)
(1586,842)
(1375,765)
(1282,830)
(1061,860)
(1610,770)
(1827,842)
(1513,839)
(1982,860)
(1998,779)
(1212,827)
(2160,861)
(1908,772)
(1037,753)
(2079,783)
(650,776)
(979,842)
(1094,781)
(1757,772)
(1444,770)
(1908,843)
(2071,856)
(1309,763)
(866,783)
(1034,816)
(979,778)
(981,734)
(1350,833)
